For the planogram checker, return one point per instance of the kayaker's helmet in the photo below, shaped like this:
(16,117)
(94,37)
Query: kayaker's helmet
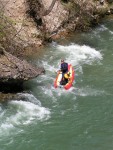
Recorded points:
(62,60)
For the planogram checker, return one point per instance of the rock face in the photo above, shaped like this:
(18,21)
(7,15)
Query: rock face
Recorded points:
(63,16)
(13,71)
(56,17)
(15,10)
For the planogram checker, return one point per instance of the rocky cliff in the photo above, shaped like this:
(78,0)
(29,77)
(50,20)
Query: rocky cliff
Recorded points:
(33,26)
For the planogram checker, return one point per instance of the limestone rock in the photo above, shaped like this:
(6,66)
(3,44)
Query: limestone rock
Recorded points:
(14,72)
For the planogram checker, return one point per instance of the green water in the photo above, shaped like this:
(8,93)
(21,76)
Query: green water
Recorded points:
(54,119)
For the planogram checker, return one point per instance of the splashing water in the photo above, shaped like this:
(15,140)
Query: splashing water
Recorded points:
(20,113)
(76,54)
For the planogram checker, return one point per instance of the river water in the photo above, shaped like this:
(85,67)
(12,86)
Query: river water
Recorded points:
(55,119)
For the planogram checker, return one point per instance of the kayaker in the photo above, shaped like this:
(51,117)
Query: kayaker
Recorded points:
(64,69)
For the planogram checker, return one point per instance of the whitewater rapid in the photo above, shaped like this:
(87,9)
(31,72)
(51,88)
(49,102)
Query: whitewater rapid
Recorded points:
(27,111)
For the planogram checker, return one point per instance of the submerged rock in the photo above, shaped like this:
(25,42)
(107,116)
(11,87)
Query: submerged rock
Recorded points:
(13,71)
(4,97)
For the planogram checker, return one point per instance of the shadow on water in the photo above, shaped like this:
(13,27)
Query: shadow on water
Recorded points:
(11,87)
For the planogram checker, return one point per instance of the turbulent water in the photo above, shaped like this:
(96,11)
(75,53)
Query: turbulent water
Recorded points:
(55,119)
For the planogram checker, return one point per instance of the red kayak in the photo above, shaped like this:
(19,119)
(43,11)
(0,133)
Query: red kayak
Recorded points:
(58,79)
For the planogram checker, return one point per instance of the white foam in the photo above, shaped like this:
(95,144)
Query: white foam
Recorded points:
(87,91)
(111,32)
(21,113)
(29,97)
(5,127)
(49,67)
(97,32)
(28,111)
(76,54)
(102,28)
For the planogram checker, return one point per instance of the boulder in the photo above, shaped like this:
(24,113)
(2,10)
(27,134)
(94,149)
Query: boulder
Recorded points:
(13,71)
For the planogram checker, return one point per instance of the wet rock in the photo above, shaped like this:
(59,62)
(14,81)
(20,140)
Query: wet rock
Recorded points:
(6,97)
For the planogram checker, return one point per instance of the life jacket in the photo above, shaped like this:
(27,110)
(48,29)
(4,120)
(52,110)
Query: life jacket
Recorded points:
(67,75)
